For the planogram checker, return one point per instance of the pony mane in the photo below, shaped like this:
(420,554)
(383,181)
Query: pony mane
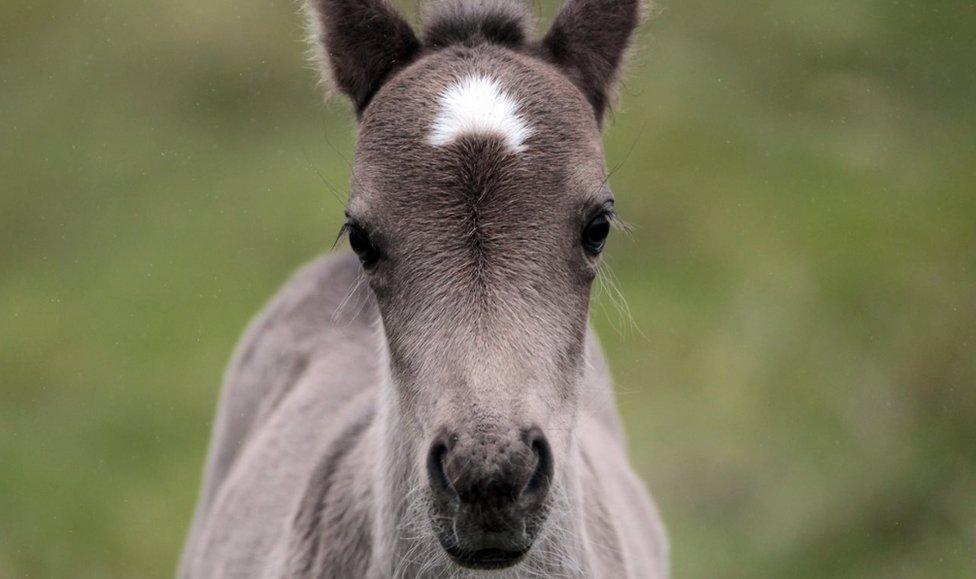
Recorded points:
(470,22)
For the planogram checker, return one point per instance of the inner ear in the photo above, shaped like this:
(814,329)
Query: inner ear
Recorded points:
(360,44)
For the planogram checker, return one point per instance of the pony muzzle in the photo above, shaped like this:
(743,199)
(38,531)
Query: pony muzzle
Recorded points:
(489,492)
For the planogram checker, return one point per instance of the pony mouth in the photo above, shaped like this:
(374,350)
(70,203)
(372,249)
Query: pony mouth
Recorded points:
(486,559)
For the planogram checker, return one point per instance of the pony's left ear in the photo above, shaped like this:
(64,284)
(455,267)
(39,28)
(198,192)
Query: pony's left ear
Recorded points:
(362,42)
(588,40)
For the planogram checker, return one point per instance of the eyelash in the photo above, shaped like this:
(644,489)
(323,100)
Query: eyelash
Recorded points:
(343,231)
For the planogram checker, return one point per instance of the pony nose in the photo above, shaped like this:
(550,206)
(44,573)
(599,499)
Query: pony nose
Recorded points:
(491,472)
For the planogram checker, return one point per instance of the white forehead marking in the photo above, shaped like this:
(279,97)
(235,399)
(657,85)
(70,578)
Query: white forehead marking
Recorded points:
(477,104)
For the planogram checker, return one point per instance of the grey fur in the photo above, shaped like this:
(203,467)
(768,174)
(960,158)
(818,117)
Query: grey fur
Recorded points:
(475,319)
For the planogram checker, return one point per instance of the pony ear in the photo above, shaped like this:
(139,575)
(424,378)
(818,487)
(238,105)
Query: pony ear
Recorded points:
(588,39)
(362,42)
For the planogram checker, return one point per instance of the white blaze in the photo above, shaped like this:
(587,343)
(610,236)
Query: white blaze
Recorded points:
(478,105)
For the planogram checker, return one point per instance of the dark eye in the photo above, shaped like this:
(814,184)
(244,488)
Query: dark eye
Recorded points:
(595,234)
(360,243)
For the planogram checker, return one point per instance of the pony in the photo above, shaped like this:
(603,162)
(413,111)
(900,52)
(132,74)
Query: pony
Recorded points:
(435,402)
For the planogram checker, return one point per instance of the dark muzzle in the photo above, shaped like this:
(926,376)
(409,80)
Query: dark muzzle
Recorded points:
(489,490)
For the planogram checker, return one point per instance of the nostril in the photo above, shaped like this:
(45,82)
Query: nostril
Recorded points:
(538,485)
(435,468)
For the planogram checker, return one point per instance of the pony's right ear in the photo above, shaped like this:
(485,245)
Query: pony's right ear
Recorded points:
(362,43)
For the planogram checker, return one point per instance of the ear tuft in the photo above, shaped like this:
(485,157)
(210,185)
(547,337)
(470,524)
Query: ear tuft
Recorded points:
(360,44)
(588,40)
(448,22)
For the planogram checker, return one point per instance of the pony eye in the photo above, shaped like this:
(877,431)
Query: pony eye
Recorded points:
(595,233)
(361,244)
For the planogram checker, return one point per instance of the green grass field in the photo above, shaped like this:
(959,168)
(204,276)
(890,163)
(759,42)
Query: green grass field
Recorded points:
(797,370)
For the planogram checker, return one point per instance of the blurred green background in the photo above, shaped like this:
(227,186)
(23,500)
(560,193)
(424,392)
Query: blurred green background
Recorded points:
(798,367)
